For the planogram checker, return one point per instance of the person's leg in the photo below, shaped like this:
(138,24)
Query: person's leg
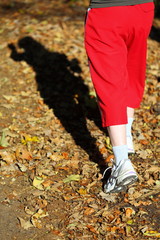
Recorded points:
(137,49)
(117,134)
(108,60)
(136,63)
(107,54)
(130,115)
(130,112)
(118,138)
(123,173)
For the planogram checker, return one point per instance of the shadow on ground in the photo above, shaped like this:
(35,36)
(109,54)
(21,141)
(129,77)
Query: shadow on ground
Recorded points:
(63,91)
(155,34)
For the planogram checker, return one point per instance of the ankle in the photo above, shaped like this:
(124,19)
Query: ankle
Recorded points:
(120,153)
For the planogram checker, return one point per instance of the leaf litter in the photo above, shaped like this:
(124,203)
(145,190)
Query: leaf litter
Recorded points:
(48,168)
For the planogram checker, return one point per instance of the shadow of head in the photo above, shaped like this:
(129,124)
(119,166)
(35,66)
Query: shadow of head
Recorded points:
(36,55)
(29,44)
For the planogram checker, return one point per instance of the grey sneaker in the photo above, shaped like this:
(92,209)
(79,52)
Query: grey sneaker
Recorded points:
(121,176)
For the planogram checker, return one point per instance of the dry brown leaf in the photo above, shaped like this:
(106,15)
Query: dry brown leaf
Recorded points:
(144,142)
(7,157)
(42,203)
(36,223)
(108,197)
(47,183)
(22,153)
(129,212)
(88,211)
(108,159)
(28,211)
(114,229)
(151,181)
(92,229)
(26,224)
(153,168)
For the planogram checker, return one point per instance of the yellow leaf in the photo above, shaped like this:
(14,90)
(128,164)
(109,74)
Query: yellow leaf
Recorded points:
(82,191)
(71,178)
(152,234)
(108,143)
(40,214)
(37,182)
(27,139)
(130,222)
(36,222)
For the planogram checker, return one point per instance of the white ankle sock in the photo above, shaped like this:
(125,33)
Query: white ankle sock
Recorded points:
(120,153)
(129,127)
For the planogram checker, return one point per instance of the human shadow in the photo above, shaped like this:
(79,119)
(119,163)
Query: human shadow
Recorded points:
(155,33)
(63,91)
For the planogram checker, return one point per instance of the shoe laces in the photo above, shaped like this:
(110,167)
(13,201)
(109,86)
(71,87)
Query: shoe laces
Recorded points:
(105,171)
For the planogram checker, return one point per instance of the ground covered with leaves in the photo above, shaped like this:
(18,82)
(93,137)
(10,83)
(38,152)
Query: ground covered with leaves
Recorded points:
(52,147)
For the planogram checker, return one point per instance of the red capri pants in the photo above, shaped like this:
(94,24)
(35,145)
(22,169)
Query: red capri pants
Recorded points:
(116,45)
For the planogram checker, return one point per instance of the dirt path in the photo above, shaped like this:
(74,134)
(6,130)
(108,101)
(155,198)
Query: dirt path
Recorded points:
(52,146)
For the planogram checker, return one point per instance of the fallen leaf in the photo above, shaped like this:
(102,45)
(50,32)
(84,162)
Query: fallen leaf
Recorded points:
(153,168)
(113,229)
(152,234)
(7,157)
(72,225)
(71,178)
(41,213)
(10,98)
(37,182)
(28,138)
(129,212)
(47,183)
(3,140)
(108,197)
(109,158)
(108,143)
(36,223)
(150,181)
(128,230)
(82,191)
(26,224)
(28,211)
(22,153)
(92,229)
(88,211)
(22,167)
(144,142)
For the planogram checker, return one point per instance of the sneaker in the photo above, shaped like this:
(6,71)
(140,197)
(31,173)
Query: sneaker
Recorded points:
(130,145)
(121,176)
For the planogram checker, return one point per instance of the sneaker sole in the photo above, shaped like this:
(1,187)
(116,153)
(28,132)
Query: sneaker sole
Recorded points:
(128,181)
(118,189)
(122,186)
